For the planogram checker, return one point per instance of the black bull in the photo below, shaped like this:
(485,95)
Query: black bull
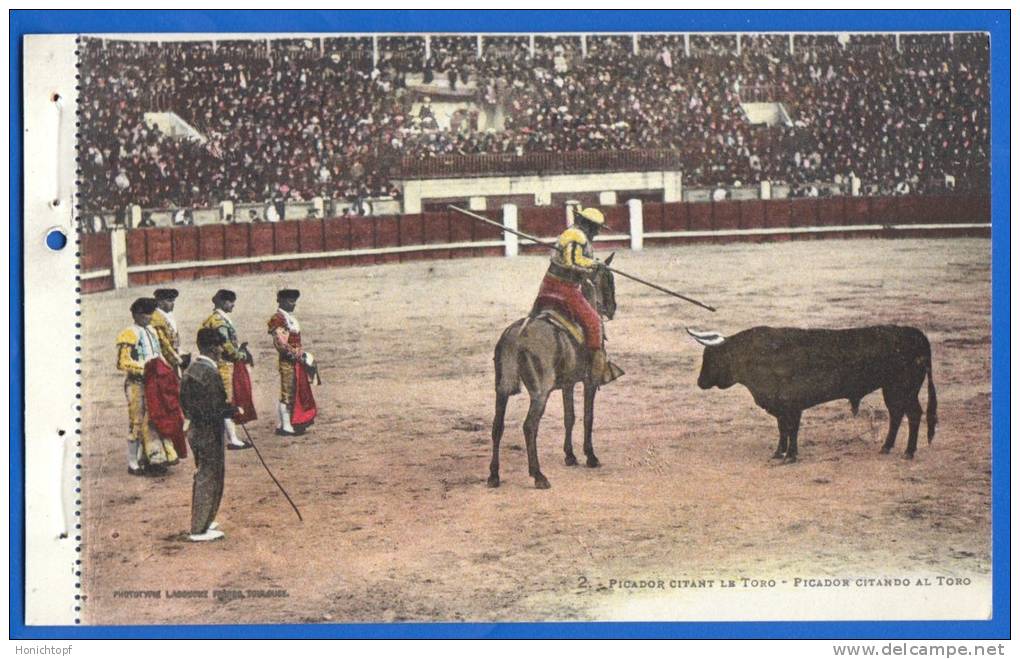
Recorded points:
(789,370)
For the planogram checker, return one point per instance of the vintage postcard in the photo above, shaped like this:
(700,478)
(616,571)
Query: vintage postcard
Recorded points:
(474,327)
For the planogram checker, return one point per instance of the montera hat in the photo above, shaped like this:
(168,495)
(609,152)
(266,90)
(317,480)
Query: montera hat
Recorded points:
(224,295)
(166,294)
(209,337)
(143,305)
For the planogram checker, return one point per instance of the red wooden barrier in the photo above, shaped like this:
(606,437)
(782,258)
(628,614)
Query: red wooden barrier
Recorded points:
(617,217)
(699,217)
(136,255)
(412,229)
(857,211)
(982,209)
(159,246)
(215,242)
(803,213)
(777,213)
(831,211)
(285,237)
(337,238)
(210,242)
(95,251)
(674,217)
(883,210)
(310,238)
(652,217)
(362,237)
(725,215)
(387,234)
(542,221)
(95,255)
(752,214)
(237,244)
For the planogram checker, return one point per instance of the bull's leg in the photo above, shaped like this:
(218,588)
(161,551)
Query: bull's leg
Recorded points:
(783,435)
(793,427)
(589,421)
(913,423)
(535,412)
(896,408)
(568,426)
(497,434)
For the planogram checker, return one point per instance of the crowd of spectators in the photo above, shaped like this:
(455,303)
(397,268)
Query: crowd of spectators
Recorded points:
(298,118)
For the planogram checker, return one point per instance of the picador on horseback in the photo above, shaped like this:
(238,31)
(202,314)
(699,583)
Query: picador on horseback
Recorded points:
(573,262)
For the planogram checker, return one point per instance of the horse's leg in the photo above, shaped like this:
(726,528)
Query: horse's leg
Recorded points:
(535,412)
(590,390)
(497,434)
(568,425)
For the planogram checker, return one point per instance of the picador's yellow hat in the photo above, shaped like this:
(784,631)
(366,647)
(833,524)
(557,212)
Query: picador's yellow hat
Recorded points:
(593,215)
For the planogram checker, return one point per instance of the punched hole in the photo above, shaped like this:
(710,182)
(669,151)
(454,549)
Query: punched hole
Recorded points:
(56,239)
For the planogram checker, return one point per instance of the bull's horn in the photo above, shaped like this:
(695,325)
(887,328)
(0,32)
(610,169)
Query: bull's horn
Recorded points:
(707,338)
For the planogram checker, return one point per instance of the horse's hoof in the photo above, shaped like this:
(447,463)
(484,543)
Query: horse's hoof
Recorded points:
(493,481)
(789,459)
(570,460)
(886,449)
(778,455)
(908,456)
(592,462)
(541,483)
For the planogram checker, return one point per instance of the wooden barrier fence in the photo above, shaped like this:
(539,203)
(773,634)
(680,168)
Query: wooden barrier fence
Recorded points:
(157,255)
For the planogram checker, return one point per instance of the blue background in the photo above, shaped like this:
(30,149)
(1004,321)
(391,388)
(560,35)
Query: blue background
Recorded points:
(995,22)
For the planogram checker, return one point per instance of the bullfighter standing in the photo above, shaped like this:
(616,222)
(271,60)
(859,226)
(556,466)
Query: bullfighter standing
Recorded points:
(137,348)
(296,409)
(166,327)
(232,361)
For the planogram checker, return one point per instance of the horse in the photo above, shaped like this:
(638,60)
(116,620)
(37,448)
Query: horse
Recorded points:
(542,355)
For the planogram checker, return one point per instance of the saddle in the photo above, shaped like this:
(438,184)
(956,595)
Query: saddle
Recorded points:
(561,321)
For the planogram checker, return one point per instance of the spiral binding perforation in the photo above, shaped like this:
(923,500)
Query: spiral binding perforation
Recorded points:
(76,210)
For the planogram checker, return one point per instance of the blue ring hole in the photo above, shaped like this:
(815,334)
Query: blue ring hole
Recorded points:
(56,239)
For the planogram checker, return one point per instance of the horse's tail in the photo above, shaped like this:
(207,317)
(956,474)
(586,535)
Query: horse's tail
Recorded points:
(508,378)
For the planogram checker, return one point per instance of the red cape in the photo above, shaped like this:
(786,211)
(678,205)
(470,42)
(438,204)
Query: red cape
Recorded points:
(242,394)
(163,402)
(304,402)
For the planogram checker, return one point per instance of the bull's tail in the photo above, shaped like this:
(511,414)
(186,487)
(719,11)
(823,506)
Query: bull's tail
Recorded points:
(932,414)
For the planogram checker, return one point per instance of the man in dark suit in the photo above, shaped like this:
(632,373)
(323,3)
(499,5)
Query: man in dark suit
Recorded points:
(204,401)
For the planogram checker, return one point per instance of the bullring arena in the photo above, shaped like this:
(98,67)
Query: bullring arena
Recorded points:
(391,481)
(799,180)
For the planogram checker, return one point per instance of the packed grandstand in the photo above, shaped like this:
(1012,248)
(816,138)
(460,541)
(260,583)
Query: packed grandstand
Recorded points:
(349,117)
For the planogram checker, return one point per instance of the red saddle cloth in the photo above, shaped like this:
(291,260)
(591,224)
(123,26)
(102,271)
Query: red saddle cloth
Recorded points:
(568,299)
(304,402)
(163,402)
(242,394)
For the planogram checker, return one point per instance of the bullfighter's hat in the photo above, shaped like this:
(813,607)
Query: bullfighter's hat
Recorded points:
(143,305)
(224,295)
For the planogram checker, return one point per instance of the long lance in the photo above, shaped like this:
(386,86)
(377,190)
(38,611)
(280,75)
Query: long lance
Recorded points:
(537,241)
(258,453)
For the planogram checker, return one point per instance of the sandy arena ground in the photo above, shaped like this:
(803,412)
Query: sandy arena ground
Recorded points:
(391,481)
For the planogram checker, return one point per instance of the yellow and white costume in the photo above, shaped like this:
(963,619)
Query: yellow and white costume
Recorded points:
(165,325)
(136,345)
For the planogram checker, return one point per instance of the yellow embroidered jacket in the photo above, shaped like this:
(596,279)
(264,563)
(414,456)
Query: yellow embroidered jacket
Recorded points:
(574,256)
(221,322)
(136,346)
(169,340)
